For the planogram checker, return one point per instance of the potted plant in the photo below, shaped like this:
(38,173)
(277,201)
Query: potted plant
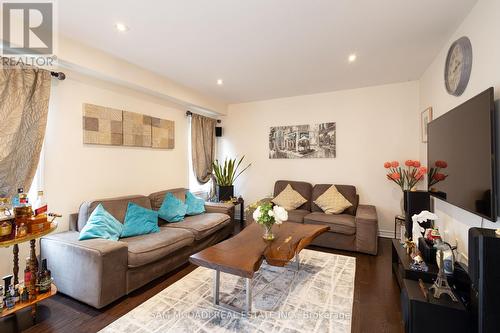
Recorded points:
(225,175)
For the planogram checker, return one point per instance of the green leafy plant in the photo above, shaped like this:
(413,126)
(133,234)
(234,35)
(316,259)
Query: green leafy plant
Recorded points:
(225,174)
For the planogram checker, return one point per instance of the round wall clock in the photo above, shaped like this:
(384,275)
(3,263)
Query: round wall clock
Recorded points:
(458,66)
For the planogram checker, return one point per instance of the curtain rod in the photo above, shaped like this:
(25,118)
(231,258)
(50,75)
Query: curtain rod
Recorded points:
(58,75)
(189,114)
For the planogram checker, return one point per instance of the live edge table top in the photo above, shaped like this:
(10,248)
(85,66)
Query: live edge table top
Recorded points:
(243,254)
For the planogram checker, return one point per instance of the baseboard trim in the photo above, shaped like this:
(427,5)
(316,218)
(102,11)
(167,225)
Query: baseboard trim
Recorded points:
(386,233)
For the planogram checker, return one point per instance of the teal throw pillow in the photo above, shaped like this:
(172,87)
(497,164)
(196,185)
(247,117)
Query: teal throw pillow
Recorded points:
(194,204)
(101,224)
(172,209)
(139,221)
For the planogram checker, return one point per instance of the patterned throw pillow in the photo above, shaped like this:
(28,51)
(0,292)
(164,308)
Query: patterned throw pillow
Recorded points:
(332,201)
(289,199)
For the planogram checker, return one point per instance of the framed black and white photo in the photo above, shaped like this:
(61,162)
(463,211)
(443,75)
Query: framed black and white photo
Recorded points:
(303,141)
(425,118)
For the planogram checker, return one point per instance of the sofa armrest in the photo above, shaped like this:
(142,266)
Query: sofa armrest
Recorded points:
(367,229)
(92,271)
(220,207)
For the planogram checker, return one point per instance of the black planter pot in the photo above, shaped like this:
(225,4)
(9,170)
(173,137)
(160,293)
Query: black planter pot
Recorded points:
(225,193)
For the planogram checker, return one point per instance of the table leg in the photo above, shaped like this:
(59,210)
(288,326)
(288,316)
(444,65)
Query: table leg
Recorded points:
(33,269)
(248,296)
(16,264)
(297,261)
(33,313)
(216,287)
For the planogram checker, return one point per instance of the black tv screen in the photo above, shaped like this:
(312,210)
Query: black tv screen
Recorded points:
(461,156)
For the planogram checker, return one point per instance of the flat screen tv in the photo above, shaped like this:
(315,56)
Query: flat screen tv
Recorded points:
(461,144)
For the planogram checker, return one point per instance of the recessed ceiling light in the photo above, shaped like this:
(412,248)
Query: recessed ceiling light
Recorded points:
(121,27)
(352,57)
(220,82)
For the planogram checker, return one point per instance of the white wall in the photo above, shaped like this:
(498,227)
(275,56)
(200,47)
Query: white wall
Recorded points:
(374,125)
(482,26)
(75,172)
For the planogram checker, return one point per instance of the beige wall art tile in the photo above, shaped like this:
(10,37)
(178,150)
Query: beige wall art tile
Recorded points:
(101,125)
(108,126)
(136,129)
(163,133)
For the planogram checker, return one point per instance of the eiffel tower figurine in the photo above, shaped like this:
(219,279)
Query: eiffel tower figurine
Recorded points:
(441,285)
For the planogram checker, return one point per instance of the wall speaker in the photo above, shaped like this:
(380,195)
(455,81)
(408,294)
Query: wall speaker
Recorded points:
(218,131)
(414,203)
(484,271)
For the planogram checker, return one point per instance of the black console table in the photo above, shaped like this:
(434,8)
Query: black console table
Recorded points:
(419,314)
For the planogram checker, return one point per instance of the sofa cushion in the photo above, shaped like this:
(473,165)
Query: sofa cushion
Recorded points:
(348,191)
(101,224)
(332,201)
(341,223)
(139,221)
(172,209)
(115,206)
(202,225)
(148,248)
(289,198)
(195,205)
(305,190)
(158,197)
(297,215)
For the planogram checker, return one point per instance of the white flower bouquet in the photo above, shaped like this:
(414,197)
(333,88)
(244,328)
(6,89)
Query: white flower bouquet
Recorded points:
(267,215)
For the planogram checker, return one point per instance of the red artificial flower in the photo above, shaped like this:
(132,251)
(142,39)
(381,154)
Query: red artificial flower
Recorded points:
(439,176)
(409,163)
(422,169)
(387,165)
(441,164)
(394,164)
(419,176)
(395,176)
(416,164)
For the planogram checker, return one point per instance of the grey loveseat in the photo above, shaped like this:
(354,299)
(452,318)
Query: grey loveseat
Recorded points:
(99,271)
(356,229)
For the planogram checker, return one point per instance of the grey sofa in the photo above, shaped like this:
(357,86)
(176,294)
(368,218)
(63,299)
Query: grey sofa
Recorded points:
(98,271)
(356,229)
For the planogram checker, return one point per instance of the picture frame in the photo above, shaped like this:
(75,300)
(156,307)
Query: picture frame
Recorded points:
(425,118)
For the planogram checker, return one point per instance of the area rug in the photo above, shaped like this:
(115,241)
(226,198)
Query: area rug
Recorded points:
(317,298)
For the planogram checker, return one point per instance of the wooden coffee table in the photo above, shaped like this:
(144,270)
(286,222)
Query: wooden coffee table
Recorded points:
(243,254)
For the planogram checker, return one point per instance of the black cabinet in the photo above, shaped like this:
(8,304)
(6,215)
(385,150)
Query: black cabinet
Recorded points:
(421,315)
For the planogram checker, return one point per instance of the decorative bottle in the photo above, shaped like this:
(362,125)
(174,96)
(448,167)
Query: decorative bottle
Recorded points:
(40,205)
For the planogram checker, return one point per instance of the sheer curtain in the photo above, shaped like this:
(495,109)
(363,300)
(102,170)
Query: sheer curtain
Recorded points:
(24,101)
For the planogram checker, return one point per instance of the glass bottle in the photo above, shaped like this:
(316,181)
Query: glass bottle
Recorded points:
(17,296)
(27,272)
(16,199)
(40,205)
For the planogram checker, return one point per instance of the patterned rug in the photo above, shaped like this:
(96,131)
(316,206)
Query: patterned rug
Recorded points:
(317,298)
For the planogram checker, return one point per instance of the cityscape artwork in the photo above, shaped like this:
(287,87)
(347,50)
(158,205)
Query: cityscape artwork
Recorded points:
(303,141)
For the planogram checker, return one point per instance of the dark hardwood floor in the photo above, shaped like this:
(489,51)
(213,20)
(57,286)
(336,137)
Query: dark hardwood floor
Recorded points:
(376,301)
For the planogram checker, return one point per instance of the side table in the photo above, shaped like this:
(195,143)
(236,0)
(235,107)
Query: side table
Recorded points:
(238,202)
(31,238)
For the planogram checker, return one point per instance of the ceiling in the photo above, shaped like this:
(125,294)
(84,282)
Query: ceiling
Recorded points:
(266,49)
